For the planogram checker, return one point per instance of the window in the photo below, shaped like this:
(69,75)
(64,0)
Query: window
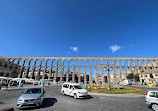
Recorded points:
(78,87)
(33,90)
(156,94)
(65,85)
(152,94)
(71,87)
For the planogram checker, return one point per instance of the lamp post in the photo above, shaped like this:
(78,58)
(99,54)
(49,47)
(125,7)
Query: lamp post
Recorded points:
(108,71)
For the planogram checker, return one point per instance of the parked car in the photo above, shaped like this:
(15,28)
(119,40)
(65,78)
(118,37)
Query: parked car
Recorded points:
(151,98)
(32,97)
(74,89)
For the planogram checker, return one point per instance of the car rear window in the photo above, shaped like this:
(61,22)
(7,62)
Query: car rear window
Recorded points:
(152,94)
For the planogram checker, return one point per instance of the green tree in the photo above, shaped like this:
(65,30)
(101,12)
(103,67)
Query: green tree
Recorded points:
(151,75)
(136,77)
(130,76)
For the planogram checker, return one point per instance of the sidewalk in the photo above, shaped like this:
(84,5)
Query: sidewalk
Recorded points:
(16,88)
(144,86)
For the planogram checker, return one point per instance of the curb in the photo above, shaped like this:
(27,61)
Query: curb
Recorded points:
(118,95)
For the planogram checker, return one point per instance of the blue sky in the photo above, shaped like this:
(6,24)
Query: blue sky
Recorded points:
(82,28)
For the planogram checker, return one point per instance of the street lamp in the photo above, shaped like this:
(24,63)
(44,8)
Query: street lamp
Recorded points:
(108,71)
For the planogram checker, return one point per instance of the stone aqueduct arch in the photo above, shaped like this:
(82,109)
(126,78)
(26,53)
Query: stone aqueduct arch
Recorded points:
(137,64)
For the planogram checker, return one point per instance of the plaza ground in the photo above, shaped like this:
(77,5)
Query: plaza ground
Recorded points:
(55,101)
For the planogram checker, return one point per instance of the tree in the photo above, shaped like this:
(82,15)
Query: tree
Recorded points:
(151,75)
(136,77)
(130,76)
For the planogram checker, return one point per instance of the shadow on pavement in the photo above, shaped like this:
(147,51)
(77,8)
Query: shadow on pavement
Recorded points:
(48,102)
(88,97)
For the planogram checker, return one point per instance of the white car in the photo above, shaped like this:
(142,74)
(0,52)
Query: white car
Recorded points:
(151,98)
(74,89)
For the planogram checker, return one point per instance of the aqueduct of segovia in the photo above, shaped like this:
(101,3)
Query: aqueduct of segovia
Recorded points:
(91,66)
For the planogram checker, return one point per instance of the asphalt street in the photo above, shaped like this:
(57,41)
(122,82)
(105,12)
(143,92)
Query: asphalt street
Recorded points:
(55,101)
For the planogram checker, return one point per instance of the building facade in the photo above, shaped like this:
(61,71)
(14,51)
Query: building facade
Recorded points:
(9,69)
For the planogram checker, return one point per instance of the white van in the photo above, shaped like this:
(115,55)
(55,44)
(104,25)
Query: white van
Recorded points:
(74,89)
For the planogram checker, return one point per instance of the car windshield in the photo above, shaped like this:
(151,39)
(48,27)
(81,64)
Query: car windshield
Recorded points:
(33,90)
(78,87)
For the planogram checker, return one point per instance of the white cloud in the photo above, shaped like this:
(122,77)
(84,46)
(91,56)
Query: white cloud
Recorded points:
(115,48)
(75,49)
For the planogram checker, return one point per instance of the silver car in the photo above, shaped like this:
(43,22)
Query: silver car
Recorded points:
(32,97)
(151,98)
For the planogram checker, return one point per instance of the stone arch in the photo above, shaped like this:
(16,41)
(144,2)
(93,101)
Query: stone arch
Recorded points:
(31,62)
(20,62)
(37,62)
(64,74)
(47,69)
(87,62)
(49,62)
(42,73)
(98,62)
(148,61)
(88,74)
(93,63)
(120,62)
(115,62)
(77,62)
(26,62)
(54,62)
(143,62)
(76,74)
(109,61)
(53,73)
(29,73)
(82,74)
(10,60)
(126,62)
(137,62)
(82,63)
(104,61)
(60,63)
(65,62)
(71,62)
(43,62)
(70,74)
(93,74)
(15,61)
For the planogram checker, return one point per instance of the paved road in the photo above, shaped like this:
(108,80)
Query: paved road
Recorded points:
(54,101)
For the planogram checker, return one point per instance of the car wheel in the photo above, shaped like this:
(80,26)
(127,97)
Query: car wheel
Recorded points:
(154,107)
(75,96)
(63,93)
